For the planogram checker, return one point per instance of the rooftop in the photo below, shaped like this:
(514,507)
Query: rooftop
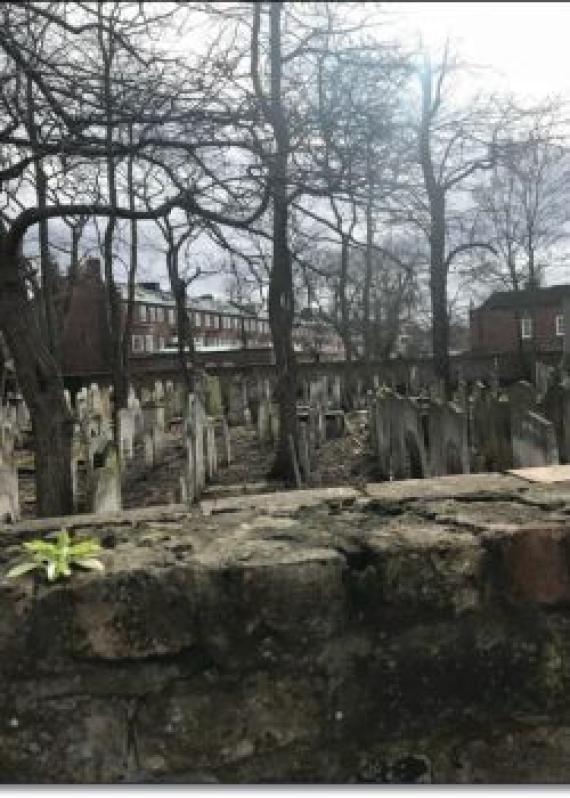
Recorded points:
(549,295)
(206,302)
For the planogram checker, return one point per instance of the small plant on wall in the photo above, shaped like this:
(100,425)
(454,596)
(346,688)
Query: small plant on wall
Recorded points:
(58,557)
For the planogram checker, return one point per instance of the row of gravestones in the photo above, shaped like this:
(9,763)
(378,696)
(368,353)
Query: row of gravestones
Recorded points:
(246,398)
(97,466)
(145,421)
(316,425)
(519,427)
(417,437)
(487,431)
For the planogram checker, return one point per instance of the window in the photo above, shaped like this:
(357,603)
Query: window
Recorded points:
(160,314)
(149,343)
(138,343)
(526,327)
(142,312)
(560,325)
(161,342)
(198,319)
(171,317)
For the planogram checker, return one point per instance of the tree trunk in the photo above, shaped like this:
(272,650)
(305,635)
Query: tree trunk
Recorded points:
(42,387)
(344,314)
(281,299)
(367,342)
(438,264)
(125,329)
(438,289)
(346,335)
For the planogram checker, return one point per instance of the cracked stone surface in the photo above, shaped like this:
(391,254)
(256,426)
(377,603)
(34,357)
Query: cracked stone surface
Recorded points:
(406,632)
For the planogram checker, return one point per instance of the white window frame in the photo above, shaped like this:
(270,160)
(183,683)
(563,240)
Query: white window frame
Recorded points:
(559,325)
(137,343)
(526,328)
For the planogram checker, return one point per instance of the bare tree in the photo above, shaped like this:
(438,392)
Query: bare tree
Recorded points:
(454,144)
(71,127)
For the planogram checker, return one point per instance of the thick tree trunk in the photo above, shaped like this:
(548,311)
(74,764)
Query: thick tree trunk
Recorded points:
(42,387)
(281,298)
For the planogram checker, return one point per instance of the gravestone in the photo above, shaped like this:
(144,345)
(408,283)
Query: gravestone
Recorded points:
(9,493)
(148,444)
(556,408)
(127,432)
(196,423)
(106,495)
(238,411)
(304,456)
(158,445)
(533,440)
(448,439)
(400,449)
(542,373)
(226,448)
(522,396)
(213,396)
(491,431)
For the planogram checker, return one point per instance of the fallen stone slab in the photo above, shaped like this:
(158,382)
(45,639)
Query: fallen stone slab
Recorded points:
(155,513)
(448,486)
(287,500)
(546,474)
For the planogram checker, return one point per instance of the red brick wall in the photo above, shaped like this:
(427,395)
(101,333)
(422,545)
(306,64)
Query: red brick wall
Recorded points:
(495,330)
(86,341)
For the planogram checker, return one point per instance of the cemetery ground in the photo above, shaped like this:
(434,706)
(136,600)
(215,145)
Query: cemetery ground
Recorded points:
(345,460)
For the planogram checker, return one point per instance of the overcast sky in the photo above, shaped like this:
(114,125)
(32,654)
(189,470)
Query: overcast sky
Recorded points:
(525,45)
(522,48)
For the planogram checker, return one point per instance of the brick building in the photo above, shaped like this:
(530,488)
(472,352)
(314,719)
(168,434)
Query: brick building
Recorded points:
(532,319)
(217,324)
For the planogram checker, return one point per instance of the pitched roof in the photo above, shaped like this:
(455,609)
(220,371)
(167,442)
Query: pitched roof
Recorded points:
(528,297)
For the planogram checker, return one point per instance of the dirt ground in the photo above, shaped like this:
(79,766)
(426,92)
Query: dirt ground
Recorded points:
(341,461)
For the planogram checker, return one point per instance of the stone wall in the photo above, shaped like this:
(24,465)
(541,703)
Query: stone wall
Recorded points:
(409,632)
